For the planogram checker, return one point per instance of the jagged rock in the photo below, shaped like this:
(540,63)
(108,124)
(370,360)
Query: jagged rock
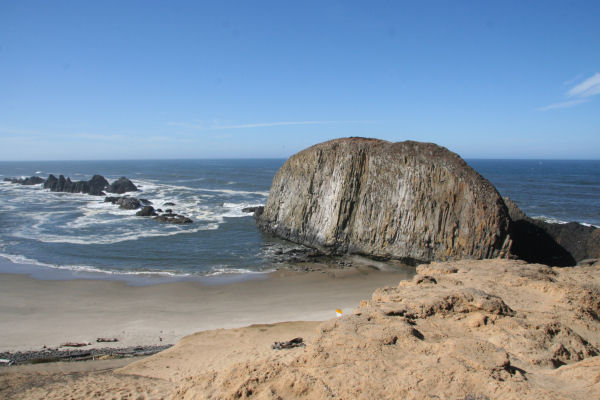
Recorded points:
(408,200)
(552,244)
(94,186)
(146,211)
(121,186)
(32,180)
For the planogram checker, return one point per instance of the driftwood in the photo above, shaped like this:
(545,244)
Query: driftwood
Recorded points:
(75,344)
(290,344)
(106,340)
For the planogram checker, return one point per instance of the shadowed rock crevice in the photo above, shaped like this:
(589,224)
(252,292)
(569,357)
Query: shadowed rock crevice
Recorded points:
(553,244)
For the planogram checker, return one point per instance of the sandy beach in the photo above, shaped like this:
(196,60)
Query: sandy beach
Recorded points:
(494,329)
(37,313)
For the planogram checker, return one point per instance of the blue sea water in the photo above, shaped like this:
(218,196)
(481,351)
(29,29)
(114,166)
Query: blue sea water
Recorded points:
(79,232)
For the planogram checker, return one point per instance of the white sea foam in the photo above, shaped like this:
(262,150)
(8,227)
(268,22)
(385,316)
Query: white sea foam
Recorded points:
(214,271)
(226,270)
(19,259)
(551,220)
(114,237)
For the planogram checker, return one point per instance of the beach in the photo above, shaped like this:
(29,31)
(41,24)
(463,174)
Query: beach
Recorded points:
(457,330)
(37,313)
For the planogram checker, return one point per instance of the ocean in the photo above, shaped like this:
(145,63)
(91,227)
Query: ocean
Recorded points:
(84,235)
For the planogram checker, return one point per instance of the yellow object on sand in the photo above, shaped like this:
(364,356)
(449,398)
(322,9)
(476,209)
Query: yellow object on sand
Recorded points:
(338,312)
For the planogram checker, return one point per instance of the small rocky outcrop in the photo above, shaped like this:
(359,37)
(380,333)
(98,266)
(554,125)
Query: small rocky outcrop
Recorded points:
(94,186)
(146,211)
(551,244)
(121,185)
(412,201)
(127,203)
(171,218)
(32,180)
(132,203)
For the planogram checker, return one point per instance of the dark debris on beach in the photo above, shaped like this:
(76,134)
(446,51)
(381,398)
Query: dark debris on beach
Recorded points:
(53,354)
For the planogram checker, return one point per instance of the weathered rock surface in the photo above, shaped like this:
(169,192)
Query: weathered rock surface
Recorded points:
(552,244)
(121,185)
(492,329)
(94,186)
(410,201)
(32,180)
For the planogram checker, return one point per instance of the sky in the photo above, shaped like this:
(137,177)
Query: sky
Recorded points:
(254,79)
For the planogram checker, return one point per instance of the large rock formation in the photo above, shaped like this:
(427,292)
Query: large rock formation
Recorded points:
(410,201)
(121,186)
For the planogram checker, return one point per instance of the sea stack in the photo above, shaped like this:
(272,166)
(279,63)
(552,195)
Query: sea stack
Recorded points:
(416,202)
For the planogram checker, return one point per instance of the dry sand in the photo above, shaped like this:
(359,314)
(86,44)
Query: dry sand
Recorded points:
(481,330)
(36,313)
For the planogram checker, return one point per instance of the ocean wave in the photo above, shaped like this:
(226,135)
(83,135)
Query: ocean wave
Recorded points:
(224,270)
(214,271)
(551,220)
(148,186)
(132,235)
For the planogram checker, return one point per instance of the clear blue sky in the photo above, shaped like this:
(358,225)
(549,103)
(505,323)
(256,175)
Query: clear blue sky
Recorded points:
(179,79)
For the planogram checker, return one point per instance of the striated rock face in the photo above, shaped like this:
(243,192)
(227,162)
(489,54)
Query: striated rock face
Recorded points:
(408,200)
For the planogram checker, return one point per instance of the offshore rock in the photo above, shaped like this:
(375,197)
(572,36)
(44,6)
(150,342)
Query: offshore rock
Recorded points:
(146,211)
(94,186)
(171,218)
(121,186)
(32,180)
(127,203)
(416,202)
(554,244)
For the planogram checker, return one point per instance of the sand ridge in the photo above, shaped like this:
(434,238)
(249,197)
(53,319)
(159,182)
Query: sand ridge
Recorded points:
(469,329)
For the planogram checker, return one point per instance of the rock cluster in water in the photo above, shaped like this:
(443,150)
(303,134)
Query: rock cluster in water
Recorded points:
(97,186)
(416,202)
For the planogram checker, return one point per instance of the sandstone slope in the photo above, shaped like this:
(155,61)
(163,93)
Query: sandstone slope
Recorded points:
(411,201)
(494,329)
